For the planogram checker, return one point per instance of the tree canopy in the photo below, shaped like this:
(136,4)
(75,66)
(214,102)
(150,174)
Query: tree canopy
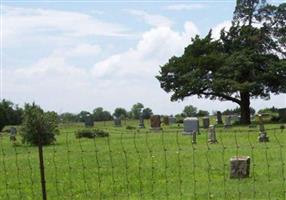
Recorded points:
(247,61)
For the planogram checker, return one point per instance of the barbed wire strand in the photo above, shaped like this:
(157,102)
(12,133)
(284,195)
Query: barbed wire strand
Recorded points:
(179,164)
(28,150)
(268,169)
(165,163)
(282,163)
(112,167)
(96,150)
(237,155)
(126,165)
(224,165)
(20,192)
(83,166)
(152,163)
(68,151)
(4,167)
(208,166)
(139,164)
(56,180)
(253,165)
(194,168)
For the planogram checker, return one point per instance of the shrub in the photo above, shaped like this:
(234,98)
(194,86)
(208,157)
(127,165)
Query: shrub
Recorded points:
(130,127)
(91,133)
(39,123)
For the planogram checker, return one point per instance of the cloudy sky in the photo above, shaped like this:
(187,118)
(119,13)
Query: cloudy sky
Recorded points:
(73,56)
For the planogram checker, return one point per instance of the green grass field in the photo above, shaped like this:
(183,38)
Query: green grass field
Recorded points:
(132,164)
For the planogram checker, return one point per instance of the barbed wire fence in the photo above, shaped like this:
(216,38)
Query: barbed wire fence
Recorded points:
(145,164)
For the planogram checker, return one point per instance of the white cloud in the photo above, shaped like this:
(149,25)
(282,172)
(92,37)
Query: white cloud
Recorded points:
(79,50)
(126,77)
(152,19)
(23,23)
(217,28)
(180,7)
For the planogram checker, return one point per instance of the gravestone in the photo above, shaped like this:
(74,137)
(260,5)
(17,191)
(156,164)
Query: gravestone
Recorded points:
(13,133)
(212,135)
(172,120)
(89,122)
(219,118)
(155,122)
(239,167)
(206,122)
(141,122)
(227,121)
(166,120)
(191,125)
(282,114)
(262,133)
(235,118)
(117,121)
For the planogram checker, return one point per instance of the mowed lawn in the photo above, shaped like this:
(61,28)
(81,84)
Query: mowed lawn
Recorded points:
(141,164)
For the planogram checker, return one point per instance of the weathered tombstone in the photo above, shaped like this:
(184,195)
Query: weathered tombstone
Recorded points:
(235,118)
(172,120)
(206,122)
(191,125)
(262,133)
(227,121)
(166,120)
(13,133)
(212,135)
(282,114)
(155,121)
(219,117)
(89,121)
(141,122)
(239,167)
(117,121)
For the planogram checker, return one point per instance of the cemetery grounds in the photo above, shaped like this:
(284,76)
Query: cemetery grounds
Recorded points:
(142,164)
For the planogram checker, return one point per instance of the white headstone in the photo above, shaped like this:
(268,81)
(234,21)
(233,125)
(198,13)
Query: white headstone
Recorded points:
(227,121)
(212,135)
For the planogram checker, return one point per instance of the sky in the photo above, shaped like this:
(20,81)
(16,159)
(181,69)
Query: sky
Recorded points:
(69,56)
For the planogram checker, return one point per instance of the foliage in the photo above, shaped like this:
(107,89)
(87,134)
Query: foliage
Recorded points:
(39,126)
(190,111)
(91,133)
(236,111)
(268,110)
(147,113)
(83,116)
(247,61)
(202,113)
(10,114)
(130,127)
(120,113)
(68,117)
(101,115)
(136,110)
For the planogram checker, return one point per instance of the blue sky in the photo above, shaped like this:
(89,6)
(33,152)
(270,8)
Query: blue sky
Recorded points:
(73,56)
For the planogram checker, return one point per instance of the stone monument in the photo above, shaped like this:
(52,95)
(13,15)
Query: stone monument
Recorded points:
(141,122)
(117,121)
(166,120)
(206,122)
(155,122)
(219,117)
(262,133)
(191,127)
(212,135)
(239,167)
(227,121)
(172,120)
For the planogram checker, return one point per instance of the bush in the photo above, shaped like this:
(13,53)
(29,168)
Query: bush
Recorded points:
(91,133)
(130,127)
(39,123)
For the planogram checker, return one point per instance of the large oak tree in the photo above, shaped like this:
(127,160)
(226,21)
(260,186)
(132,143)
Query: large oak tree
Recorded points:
(247,61)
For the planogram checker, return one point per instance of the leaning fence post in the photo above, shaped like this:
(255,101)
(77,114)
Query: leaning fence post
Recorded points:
(42,166)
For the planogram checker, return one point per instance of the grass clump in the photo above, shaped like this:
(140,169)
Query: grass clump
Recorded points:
(91,133)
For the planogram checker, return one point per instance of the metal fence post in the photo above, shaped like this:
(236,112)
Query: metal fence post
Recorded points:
(42,166)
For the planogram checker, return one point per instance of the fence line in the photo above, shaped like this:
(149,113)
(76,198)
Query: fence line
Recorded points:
(133,164)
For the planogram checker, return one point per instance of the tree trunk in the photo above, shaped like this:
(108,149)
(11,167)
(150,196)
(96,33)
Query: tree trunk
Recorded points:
(245,108)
